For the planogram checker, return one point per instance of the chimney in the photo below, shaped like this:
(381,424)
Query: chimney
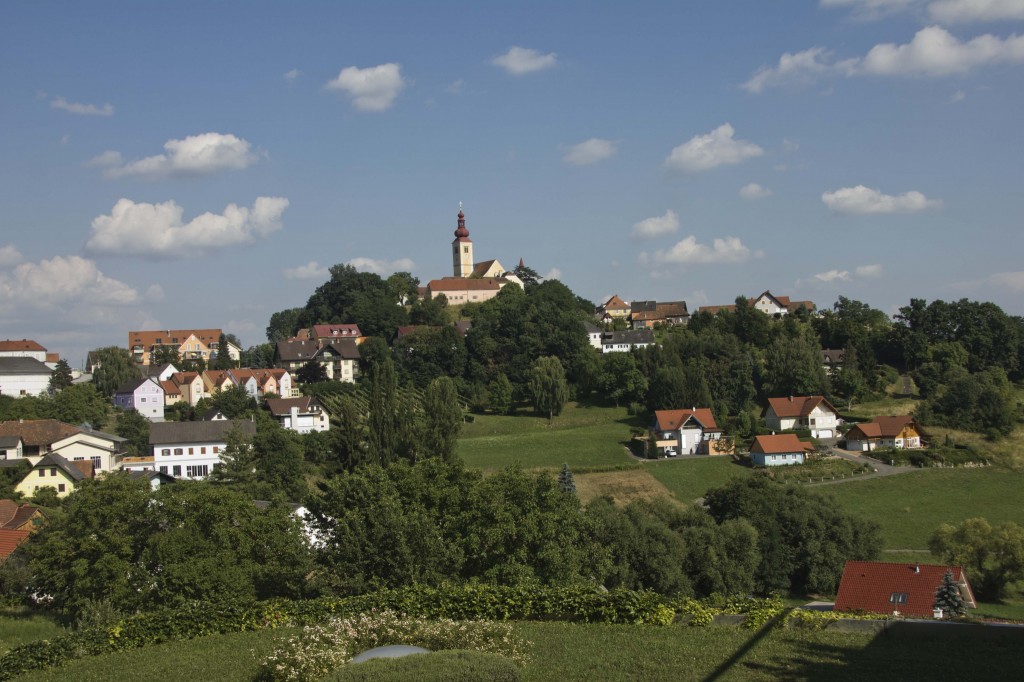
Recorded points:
(917,568)
(790,398)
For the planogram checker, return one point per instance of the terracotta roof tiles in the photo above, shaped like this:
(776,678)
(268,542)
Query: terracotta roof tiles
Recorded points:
(881,587)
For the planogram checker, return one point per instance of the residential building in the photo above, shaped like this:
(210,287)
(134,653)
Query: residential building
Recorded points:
(11,448)
(340,359)
(623,342)
(302,415)
(189,449)
(612,309)
(647,314)
(767,303)
(25,348)
(327,333)
(593,334)
(54,471)
(24,516)
(898,589)
(687,432)
(191,388)
(778,450)
(146,396)
(191,344)
(23,376)
(37,436)
(811,412)
(104,450)
(895,431)
(832,360)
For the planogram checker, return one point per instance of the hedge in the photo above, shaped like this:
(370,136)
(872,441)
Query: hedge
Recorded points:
(474,601)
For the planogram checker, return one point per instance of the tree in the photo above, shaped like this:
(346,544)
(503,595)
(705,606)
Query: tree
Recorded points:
(135,428)
(77,404)
(223,359)
(61,376)
(500,395)
(115,366)
(279,462)
(793,364)
(993,557)
(234,402)
(283,324)
(259,356)
(566,480)
(403,287)
(166,355)
(526,274)
(548,388)
(237,462)
(311,373)
(384,419)
(443,418)
(948,599)
(620,379)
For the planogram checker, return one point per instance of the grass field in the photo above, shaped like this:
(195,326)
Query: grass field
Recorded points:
(621,486)
(590,653)
(20,626)
(689,478)
(580,437)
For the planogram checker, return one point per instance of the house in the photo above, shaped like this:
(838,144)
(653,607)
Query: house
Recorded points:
(339,358)
(53,471)
(593,334)
(326,333)
(146,396)
(10,540)
(11,448)
(159,372)
(898,589)
(23,376)
(37,435)
(216,380)
(767,303)
(104,450)
(459,290)
(24,348)
(190,344)
(623,342)
(686,432)
(24,516)
(189,449)
(191,388)
(811,412)
(779,450)
(303,414)
(647,314)
(896,431)
(612,309)
(832,360)
(155,479)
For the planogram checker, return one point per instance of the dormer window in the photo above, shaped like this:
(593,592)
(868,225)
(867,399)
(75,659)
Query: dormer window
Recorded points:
(898,598)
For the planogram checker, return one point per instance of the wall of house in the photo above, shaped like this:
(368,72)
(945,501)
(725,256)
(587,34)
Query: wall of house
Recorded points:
(18,385)
(785,459)
(52,477)
(187,460)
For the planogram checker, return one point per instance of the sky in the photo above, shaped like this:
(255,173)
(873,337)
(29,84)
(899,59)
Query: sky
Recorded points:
(195,165)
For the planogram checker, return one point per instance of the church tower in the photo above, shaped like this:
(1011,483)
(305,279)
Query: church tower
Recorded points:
(462,248)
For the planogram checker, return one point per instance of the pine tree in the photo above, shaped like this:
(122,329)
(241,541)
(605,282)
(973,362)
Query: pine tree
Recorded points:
(566,481)
(61,377)
(948,597)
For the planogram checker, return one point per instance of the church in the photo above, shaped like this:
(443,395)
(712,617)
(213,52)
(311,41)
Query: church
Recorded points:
(470,282)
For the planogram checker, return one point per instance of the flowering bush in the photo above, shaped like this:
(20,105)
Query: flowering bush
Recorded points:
(318,649)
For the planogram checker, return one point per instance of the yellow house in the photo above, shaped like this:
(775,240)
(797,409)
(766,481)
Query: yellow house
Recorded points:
(53,471)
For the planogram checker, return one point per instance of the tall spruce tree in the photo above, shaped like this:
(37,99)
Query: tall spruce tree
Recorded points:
(948,597)
(565,479)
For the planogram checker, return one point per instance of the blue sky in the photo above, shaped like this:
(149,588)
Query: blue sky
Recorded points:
(172,165)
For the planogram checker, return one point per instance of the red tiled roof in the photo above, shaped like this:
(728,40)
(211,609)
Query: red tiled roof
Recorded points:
(9,541)
(779,444)
(170,388)
(870,586)
(670,420)
(23,345)
(149,338)
(799,406)
(336,330)
(36,432)
(8,508)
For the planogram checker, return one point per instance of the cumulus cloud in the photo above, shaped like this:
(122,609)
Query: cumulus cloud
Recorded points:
(717,148)
(62,281)
(868,271)
(554,273)
(1009,281)
(963,11)
(833,275)
(311,270)
(797,68)
(455,87)
(196,155)
(657,226)
(590,151)
(82,109)
(754,191)
(873,9)
(687,251)
(9,255)
(290,76)
(157,230)
(860,272)
(382,267)
(519,61)
(864,200)
(371,89)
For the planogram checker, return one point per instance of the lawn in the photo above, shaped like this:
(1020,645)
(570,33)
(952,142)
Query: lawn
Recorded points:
(588,653)
(19,626)
(581,436)
(910,506)
(688,478)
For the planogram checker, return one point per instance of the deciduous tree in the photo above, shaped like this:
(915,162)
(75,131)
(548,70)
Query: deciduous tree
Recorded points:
(548,388)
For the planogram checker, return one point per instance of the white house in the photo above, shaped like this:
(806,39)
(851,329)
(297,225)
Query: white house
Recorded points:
(11,447)
(779,450)
(303,415)
(104,450)
(25,348)
(189,449)
(685,432)
(897,431)
(803,412)
(21,376)
(593,334)
(145,396)
(623,342)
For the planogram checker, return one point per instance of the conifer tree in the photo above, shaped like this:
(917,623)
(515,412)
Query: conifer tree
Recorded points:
(948,597)
(566,481)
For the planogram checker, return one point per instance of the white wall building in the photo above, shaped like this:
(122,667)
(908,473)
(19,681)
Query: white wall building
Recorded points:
(190,449)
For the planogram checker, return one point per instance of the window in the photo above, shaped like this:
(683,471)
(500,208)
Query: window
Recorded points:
(96,461)
(176,470)
(191,451)
(898,598)
(42,473)
(53,471)
(166,452)
(202,450)
(163,470)
(60,487)
(465,249)
(179,451)
(142,400)
(216,449)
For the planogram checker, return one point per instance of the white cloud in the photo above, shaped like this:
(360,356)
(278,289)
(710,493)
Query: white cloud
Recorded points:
(290,76)
(963,11)
(934,51)
(864,200)
(833,275)
(754,191)
(61,281)
(554,273)
(868,271)
(793,69)
(371,89)
(590,151)
(311,270)
(9,256)
(83,109)
(958,96)
(455,87)
(1010,281)
(658,226)
(717,148)
(522,60)
(728,250)
(157,230)
(196,155)
(382,267)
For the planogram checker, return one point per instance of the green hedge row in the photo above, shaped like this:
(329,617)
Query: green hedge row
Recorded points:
(486,602)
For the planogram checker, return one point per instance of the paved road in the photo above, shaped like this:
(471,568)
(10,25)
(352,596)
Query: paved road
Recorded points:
(880,468)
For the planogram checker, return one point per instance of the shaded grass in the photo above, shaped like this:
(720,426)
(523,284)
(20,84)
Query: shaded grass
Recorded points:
(689,478)
(580,436)
(19,626)
(621,486)
(909,507)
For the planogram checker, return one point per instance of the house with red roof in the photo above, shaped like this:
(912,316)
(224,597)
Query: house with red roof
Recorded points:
(894,431)
(898,589)
(24,516)
(10,540)
(25,348)
(686,432)
(779,450)
(810,412)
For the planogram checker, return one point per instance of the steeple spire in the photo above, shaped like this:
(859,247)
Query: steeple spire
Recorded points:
(461,232)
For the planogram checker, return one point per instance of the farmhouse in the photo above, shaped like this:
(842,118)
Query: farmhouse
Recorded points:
(23,376)
(811,412)
(189,449)
(686,432)
(889,588)
(896,431)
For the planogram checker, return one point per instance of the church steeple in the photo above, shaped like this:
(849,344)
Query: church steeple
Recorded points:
(462,248)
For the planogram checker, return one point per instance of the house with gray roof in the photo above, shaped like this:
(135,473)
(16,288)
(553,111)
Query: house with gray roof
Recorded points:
(22,376)
(188,449)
